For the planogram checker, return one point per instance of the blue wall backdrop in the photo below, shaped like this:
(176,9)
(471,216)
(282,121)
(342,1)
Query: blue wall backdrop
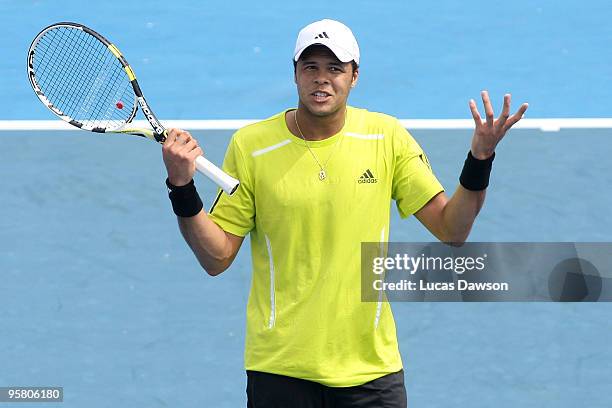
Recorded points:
(231,59)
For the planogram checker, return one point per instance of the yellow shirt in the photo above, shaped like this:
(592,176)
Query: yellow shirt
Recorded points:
(305,317)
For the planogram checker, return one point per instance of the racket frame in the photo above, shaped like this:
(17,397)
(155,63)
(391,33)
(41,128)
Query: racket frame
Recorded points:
(158,134)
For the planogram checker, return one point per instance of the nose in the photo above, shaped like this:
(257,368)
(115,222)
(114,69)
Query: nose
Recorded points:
(321,79)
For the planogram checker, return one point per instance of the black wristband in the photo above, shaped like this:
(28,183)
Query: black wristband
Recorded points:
(185,199)
(475,174)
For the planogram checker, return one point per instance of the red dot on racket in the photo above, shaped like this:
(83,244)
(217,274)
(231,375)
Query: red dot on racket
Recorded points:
(120,105)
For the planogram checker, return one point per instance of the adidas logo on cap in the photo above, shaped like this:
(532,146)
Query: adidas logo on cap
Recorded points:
(367,177)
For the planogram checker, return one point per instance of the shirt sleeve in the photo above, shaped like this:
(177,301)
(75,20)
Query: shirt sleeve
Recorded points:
(414,183)
(235,214)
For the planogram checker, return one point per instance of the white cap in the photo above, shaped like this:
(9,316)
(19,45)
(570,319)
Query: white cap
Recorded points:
(332,34)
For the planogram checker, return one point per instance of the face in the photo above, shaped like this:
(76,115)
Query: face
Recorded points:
(323,82)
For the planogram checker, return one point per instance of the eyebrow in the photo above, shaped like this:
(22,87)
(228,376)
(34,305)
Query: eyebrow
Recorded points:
(336,63)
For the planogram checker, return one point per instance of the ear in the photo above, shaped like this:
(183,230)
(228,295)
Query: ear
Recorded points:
(355,77)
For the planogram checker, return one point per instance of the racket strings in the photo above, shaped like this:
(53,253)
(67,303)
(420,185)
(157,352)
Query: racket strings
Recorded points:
(81,77)
(78,60)
(56,67)
(58,61)
(89,107)
(70,96)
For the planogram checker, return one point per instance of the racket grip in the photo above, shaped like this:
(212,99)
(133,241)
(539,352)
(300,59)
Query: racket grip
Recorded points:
(220,178)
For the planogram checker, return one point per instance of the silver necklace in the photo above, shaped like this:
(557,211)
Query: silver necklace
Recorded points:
(322,172)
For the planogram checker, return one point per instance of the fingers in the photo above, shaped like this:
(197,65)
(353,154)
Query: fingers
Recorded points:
(181,144)
(179,140)
(504,121)
(181,137)
(173,134)
(197,151)
(180,151)
(169,139)
(475,113)
(486,101)
(517,116)
(488,107)
(192,149)
(505,114)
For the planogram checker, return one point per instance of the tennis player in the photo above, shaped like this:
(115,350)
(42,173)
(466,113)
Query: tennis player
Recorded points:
(317,181)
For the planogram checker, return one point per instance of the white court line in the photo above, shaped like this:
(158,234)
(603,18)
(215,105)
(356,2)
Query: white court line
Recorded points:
(546,124)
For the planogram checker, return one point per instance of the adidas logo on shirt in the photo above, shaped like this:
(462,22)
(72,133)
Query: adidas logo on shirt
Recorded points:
(367,177)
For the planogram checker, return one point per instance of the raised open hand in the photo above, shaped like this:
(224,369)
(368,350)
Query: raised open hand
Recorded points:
(490,132)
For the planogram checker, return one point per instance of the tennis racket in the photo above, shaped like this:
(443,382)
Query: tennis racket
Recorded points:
(85,80)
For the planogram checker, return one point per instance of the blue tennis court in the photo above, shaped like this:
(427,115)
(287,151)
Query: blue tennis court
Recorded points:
(100,294)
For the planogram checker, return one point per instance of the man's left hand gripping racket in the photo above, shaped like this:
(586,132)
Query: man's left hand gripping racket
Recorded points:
(83,78)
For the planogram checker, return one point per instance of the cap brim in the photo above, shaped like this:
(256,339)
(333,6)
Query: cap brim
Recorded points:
(338,51)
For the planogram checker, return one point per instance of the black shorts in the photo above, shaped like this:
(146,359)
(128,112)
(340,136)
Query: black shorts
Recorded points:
(266,390)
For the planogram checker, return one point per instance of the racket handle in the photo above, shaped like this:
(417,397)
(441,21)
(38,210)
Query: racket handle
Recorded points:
(222,179)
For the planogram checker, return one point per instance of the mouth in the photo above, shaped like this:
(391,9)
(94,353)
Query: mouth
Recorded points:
(320,96)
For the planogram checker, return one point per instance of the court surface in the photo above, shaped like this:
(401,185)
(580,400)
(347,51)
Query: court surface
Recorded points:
(101,296)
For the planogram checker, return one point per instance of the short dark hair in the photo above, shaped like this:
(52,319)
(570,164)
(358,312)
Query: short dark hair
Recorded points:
(315,47)
(354,65)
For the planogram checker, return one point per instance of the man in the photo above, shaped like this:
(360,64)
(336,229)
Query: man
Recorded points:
(317,181)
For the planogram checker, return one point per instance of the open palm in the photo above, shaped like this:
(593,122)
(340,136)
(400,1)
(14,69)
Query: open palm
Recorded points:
(490,132)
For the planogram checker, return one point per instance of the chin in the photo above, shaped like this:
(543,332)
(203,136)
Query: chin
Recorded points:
(323,111)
